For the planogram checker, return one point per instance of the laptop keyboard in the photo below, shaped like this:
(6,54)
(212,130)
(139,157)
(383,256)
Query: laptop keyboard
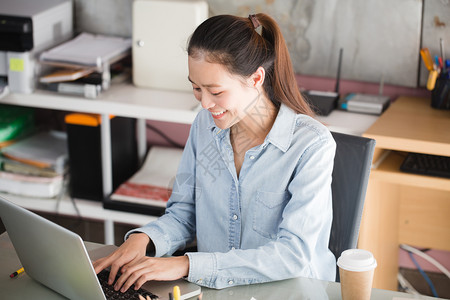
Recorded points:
(110,293)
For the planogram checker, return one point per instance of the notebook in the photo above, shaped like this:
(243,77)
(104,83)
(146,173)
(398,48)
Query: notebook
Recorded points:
(58,259)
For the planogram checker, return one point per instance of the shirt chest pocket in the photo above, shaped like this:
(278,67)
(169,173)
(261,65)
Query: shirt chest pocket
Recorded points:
(268,208)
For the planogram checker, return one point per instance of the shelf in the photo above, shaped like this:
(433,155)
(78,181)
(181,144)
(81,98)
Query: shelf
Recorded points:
(124,100)
(411,125)
(389,171)
(88,209)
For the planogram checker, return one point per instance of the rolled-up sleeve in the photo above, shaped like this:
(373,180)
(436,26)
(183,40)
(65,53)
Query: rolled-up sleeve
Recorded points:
(176,228)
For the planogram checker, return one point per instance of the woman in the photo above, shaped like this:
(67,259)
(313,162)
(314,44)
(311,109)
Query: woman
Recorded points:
(254,183)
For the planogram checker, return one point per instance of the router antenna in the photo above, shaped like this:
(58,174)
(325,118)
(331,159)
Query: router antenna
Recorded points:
(338,77)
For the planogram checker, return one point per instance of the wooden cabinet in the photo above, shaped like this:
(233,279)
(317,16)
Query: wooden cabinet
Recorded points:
(402,207)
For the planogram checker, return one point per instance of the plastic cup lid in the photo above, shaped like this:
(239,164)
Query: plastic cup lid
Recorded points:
(357,260)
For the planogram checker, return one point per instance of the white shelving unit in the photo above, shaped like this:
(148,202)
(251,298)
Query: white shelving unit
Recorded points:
(126,100)
(123,100)
(86,208)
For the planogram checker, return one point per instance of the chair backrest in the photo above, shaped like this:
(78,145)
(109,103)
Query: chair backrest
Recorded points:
(350,176)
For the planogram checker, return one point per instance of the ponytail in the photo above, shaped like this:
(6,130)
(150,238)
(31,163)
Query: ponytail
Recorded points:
(235,43)
(283,83)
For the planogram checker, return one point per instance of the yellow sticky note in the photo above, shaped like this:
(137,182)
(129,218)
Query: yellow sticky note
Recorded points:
(16,64)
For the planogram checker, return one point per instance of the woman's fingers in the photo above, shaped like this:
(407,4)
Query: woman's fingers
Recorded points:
(131,250)
(150,268)
(126,280)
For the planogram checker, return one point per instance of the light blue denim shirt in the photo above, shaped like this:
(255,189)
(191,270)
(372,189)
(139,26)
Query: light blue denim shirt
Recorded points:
(271,223)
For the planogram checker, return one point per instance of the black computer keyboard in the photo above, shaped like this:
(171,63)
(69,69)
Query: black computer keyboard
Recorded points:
(110,293)
(426,164)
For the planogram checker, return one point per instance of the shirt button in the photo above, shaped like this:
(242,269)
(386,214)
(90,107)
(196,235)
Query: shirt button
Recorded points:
(235,217)
(232,248)
(230,282)
(252,157)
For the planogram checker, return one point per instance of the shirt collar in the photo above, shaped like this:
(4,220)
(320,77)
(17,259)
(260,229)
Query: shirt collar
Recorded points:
(283,128)
(281,133)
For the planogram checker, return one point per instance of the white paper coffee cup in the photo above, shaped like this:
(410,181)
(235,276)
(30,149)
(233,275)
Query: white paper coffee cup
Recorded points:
(356,268)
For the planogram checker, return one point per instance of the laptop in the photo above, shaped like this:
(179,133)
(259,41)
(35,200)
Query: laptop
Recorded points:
(57,257)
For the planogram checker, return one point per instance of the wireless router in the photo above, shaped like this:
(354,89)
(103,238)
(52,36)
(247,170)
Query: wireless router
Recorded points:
(324,102)
(365,103)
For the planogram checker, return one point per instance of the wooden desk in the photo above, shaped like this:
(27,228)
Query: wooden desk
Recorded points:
(403,208)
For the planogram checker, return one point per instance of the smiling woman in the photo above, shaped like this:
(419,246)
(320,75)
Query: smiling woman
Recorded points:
(236,44)
(230,98)
(253,187)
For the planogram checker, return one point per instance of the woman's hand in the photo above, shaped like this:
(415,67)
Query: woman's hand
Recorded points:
(131,251)
(134,267)
(152,268)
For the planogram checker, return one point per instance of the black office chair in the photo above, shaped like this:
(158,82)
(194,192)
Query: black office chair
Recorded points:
(350,178)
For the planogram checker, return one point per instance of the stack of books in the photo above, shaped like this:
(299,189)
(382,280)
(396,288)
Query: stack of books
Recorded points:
(86,65)
(35,165)
(148,191)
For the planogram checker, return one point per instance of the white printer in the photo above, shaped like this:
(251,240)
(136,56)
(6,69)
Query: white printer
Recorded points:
(27,27)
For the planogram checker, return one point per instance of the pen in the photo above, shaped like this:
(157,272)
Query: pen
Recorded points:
(436,61)
(16,273)
(176,293)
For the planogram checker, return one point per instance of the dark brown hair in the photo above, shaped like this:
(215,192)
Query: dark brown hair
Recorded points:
(235,43)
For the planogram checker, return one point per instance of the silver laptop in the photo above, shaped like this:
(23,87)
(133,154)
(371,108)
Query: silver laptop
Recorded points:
(57,257)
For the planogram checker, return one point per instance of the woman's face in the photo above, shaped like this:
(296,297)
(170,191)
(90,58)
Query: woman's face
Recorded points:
(229,98)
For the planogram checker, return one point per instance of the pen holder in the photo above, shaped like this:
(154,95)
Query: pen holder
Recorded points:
(440,95)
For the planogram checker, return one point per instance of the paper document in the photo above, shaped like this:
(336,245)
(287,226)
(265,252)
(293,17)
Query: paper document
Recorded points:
(66,75)
(44,150)
(32,186)
(152,184)
(88,50)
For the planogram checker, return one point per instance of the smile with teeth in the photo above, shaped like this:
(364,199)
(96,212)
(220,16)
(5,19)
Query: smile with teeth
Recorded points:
(218,113)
